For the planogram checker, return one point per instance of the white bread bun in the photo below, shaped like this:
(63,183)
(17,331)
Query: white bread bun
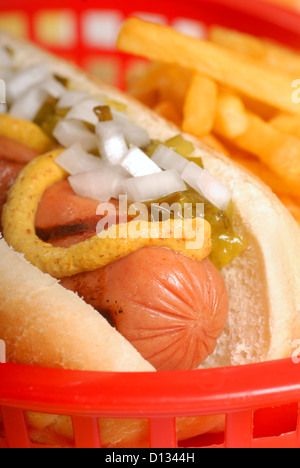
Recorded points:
(263,285)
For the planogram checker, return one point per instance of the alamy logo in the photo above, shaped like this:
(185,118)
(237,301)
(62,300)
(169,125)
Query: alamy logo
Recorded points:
(296,351)
(162,214)
(296,94)
(2,92)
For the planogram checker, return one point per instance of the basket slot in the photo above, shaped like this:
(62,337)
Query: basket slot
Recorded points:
(239,430)
(15,418)
(162,433)
(86,432)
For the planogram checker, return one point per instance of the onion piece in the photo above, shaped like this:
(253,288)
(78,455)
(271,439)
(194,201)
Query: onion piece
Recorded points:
(137,163)
(208,186)
(166,158)
(111,142)
(25,79)
(154,186)
(68,132)
(76,160)
(134,134)
(98,185)
(27,106)
(215,191)
(6,59)
(84,111)
(53,88)
(70,98)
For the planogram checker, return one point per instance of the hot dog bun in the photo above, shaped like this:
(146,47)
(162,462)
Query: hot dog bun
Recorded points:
(263,286)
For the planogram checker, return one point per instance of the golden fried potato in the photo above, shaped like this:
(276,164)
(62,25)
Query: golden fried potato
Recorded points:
(200,106)
(164,44)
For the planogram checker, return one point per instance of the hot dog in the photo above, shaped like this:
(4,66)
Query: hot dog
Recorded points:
(153,307)
(180,296)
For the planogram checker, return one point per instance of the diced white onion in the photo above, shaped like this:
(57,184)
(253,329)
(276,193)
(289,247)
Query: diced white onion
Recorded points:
(98,185)
(84,111)
(154,186)
(27,106)
(134,134)
(24,79)
(137,163)
(192,174)
(76,160)
(208,186)
(68,132)
(70,98)
(53,87)
(119,177)
(6,59)
(166,158)
(214,191)
(111,142)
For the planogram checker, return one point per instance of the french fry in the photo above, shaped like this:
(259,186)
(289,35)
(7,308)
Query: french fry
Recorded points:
(231,116)
(159,83)
(262,171)
(149,97)
(286,123)
(213,142)
(274,181)
(169,111)
(263,110)
(200,106)
(261,50)
(278,151)
(173,84)
(247,125)
(141,82)
(143,76)
(162,43)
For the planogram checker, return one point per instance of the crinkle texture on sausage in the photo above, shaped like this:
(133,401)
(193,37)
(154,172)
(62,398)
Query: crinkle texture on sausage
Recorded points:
(171,308)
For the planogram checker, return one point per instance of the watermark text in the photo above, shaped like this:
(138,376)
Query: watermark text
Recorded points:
(175,221)
(296,93)
(296,352)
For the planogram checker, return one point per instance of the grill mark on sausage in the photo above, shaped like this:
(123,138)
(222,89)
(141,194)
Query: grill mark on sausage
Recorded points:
(63,230)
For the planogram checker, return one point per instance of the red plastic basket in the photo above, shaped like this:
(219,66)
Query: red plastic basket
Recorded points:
(260,401)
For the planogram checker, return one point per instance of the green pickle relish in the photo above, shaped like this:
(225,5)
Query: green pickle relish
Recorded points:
(49,116)
(177,143)
(226,242)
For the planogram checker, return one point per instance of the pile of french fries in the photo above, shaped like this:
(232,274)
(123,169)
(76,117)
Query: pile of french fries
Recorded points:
(238,93)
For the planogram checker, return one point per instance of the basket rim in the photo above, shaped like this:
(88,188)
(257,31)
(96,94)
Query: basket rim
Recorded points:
(126,394)
(204,391)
